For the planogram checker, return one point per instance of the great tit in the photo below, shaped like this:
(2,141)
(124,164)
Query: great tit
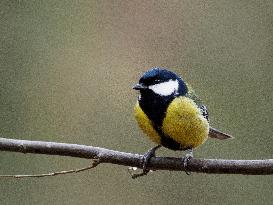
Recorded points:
(171,114)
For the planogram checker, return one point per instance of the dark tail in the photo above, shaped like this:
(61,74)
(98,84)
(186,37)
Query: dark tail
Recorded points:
(213,133)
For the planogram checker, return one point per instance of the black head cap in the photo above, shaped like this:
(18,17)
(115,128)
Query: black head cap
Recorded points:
(159,75)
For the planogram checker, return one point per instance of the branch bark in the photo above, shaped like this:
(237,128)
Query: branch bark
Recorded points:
(212,166)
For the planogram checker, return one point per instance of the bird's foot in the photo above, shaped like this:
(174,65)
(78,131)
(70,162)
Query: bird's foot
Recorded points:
(147,156)
(145,160)
(186,160)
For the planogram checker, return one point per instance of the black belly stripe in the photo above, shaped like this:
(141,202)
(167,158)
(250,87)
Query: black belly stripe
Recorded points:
(155,107)
(167,141)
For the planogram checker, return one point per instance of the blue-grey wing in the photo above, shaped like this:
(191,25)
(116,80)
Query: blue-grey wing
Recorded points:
(204,111)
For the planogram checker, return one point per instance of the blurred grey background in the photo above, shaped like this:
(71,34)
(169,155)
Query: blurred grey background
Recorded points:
(66,72)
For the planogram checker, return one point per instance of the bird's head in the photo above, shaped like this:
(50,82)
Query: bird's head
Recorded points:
(161,82)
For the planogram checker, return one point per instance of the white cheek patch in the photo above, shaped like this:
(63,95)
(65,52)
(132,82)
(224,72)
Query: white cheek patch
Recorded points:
(166,88)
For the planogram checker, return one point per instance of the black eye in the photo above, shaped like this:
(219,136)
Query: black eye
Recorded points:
(157,80)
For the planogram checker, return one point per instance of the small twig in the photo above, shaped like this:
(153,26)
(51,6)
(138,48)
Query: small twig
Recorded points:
(137,175)
(134,176)
(93,165)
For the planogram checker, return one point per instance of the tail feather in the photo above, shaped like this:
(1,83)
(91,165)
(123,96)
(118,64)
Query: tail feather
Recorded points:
(214,133)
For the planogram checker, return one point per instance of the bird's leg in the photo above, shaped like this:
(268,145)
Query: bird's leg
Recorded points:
(186,160)
(147,156)
(145,160)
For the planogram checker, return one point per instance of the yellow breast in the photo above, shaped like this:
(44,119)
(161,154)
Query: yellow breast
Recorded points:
(184,123)
(146,125)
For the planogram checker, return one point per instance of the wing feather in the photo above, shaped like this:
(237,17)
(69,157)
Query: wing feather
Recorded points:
(213,133)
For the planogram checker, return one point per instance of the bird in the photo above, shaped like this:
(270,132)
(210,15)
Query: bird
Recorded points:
(170,113)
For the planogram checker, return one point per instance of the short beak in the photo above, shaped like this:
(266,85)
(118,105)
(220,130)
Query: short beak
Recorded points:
(139,87)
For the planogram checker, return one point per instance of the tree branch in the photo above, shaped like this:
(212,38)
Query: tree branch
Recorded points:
(213,166)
